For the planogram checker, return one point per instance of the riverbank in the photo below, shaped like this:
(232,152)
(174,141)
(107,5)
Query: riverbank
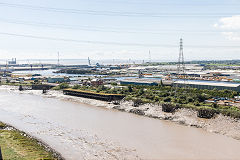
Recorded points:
(16,144)
(80,131)
(219,124)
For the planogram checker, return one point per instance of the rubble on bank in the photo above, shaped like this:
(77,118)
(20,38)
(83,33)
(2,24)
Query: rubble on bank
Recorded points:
(218,124)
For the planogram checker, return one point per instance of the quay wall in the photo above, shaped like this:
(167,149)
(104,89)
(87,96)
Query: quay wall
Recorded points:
(93,95)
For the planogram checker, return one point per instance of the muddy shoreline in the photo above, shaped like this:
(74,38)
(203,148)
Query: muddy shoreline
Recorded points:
(55,154)
(220,124)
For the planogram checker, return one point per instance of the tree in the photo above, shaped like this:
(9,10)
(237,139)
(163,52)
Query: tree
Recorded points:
(200,97)
(189,99)
(63,86)
(167,99)
(130,89)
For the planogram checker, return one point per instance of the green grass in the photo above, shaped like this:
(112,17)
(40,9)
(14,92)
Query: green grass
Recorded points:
(190,98)
(16,146)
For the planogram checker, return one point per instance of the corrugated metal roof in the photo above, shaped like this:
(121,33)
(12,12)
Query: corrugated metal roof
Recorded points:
(209,83)
(137,80)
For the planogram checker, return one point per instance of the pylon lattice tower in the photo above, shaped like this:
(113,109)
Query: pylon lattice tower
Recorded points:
(181,64)
(181,70)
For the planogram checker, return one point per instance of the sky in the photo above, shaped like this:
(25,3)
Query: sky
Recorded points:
(120,29)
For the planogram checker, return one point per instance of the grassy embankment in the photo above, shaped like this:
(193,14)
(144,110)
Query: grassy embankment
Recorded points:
(182,98)
(15,145)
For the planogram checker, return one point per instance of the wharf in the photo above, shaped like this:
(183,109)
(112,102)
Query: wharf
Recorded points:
(93,95)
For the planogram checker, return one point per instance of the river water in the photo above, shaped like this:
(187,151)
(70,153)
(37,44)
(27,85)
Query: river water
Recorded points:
(80,131)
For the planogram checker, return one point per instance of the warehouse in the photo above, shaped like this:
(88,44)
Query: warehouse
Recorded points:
(208,85)
(140,81)
(57,79)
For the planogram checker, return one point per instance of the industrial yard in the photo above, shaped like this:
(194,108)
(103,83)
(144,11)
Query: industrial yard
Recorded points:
(194,87)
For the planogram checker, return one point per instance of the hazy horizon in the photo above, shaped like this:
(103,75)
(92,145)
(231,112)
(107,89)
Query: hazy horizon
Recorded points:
(94,61)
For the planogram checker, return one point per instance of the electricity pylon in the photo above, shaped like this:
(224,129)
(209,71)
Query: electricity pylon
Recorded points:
(181,65)
(181,70)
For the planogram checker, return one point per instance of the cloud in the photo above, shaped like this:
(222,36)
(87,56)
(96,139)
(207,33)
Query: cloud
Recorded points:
(229,23)
(233,36)
(230,27)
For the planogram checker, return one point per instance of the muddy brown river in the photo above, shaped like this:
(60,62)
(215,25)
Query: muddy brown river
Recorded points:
(80,131)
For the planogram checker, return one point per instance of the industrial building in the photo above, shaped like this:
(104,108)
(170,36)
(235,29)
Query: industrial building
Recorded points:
(187,83)
(208,85)
(57,79)
(12,62)
(140,81)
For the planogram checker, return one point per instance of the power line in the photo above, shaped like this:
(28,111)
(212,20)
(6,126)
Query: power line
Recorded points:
(168,4)
(114,13)
(113,43)
(102,29)
(82,41)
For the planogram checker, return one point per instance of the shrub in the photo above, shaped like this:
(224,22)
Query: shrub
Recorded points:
(229,111)
(61,86)
(130,89)
(156,98)
(189,99)
(76,86)
(141,92)
(206,112)
(167,99)
(101,88)
(168,107)
(196,103)
(214,105)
